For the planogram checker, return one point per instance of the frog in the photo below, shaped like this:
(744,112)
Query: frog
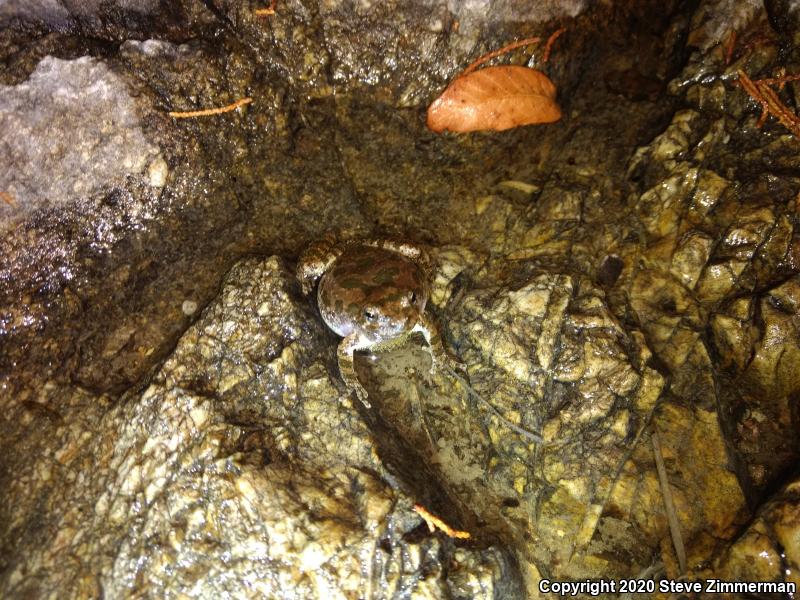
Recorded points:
(372,293)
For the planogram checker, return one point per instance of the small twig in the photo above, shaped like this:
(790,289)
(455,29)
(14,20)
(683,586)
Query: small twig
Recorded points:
(755,94)
(770,103)
(779,81)
(495,53)
(210,111)
(435,523)
(8,199)
(750,87)
(550,41)
(729,47)
(669,505)
(786,117)
(265,12)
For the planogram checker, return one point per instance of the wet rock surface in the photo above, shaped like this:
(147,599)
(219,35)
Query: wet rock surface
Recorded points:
(239,464)
(767,550)
(173,421)
(80,91)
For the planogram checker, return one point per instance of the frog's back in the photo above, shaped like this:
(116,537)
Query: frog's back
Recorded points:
(368,270)
(365,278)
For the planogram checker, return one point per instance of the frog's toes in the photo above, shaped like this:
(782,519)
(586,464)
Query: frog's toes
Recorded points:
(307,285)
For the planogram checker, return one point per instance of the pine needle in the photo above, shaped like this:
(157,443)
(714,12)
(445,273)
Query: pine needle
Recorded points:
(730,45)
(8,199)
(210,111)
(550,41)
(508,48)
(534,437)
(435,523)
(769,101)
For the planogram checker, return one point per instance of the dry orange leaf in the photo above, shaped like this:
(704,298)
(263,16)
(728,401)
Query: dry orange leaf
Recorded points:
(495,98)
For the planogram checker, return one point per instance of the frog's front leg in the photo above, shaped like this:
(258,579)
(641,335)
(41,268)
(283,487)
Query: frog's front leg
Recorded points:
(428,327)
(314,262)
(347,347)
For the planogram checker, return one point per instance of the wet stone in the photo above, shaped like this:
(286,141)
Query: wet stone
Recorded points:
(173,421)
(550,346)
(105,147)
(768,549)
(215,479)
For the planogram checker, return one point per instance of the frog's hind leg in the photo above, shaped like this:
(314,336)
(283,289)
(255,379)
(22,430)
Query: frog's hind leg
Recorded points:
(418,254)
(344,354)
(314,261)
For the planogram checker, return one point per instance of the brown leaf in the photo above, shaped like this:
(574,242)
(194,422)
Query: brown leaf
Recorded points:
(495,98)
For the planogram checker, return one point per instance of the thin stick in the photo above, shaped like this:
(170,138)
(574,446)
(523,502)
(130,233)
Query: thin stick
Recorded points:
(503,50)
(265,12)
(550,41)
(210,111)
(435,523)
(669,505)
(751,89)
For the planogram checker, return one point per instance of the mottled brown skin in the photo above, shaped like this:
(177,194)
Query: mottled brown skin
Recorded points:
(373,294)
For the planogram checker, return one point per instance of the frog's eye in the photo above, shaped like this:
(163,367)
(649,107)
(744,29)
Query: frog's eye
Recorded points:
(370,315)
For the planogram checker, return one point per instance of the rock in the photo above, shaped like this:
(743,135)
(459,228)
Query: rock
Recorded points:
(714,20)
(75,121)
(240,467)
(537,355)
(109,20)
(630,269)
(768,550)
(90,241)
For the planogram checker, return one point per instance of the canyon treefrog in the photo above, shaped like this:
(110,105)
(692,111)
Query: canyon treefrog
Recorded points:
(373,294)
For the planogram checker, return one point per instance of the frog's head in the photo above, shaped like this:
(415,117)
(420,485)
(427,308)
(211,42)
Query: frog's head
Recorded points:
(389,312)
